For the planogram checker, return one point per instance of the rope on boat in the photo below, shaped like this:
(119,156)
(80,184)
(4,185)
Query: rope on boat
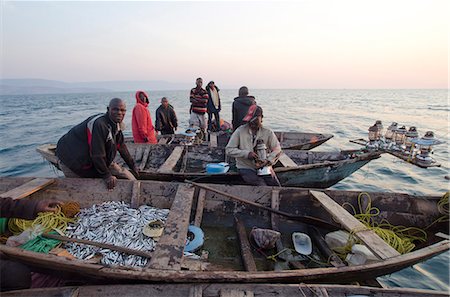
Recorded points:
(399,237)
(443,208)
(48,220)
(41,244)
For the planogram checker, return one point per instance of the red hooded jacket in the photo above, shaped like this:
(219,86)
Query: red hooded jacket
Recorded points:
(141,122)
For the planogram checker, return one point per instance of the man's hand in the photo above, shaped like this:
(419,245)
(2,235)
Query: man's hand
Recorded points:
(135,171)
(46,206)
(111,182)
(260,164)
(252,156)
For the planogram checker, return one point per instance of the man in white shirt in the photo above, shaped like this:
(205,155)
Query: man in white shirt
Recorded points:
(243,143)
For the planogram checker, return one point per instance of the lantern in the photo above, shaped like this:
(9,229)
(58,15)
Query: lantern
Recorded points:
(390,131)
(380,129)
(409,136)
(399,136)
(425,144)
(373,137)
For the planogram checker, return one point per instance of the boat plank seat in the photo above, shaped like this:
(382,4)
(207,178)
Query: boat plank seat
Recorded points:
(163,140)
(28,188)
(144,158)
(286,161)
(236,293)
(373,242)
(170,247)
(213,139)
(172,160)
(135,194)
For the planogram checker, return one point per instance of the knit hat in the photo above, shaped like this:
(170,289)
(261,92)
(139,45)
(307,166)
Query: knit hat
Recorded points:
(253,112)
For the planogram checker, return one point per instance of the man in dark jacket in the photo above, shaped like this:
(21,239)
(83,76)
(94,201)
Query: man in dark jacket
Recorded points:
(89,148)
(214,106)
(166,118)
(240,107)
(15,275)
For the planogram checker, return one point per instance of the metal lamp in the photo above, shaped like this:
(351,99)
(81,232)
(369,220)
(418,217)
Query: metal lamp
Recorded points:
(425,145)
(399,136)
(379,125)
(409,137)
(389,135)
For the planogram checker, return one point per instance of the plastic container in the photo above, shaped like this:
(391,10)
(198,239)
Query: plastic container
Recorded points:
(337,239)
(217,168)
(3,225)
(302,243)
(195,239)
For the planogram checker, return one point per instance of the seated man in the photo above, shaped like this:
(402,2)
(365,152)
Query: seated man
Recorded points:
(89,148)
(243,143)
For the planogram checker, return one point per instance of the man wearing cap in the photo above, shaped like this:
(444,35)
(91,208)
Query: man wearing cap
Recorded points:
(89,148)
(243,143)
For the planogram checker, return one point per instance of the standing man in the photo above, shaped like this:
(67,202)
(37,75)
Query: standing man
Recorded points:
(141,122)
(240,107)
(214,106)
(89,148)
(242,146)
(166,118)
(199,100)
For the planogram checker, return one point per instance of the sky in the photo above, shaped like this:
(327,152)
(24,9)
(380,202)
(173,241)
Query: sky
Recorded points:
(262,44)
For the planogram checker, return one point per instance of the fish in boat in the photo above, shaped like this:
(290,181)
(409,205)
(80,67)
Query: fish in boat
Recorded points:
(288,140)
(295,168)
(225,290)
(226,213)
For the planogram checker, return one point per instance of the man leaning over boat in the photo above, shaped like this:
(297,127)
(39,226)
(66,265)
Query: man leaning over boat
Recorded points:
(249,138)
(89,148)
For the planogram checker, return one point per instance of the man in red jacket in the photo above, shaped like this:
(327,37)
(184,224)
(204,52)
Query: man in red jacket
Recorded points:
(141,123)
(14,275)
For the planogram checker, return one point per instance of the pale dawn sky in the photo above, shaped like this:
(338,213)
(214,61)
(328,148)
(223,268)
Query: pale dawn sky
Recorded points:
(262,44)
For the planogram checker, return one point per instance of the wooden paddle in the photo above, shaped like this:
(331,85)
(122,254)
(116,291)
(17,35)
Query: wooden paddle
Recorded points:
(305,219)
(99,244)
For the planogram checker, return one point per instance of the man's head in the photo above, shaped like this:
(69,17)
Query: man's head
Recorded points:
(211,84)
(164,102)
(199,82)
(254,117)
(243,91)
(116,110)
(143,97)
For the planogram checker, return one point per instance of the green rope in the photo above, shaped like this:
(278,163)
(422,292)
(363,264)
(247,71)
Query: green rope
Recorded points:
(41,244)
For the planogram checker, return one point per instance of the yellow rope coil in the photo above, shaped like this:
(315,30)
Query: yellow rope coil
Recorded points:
(49,221)
(70,209)
(399,237)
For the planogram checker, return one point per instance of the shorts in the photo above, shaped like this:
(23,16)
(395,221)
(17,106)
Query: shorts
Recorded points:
(198,120)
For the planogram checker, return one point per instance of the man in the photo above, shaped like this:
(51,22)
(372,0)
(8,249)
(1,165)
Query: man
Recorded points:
(199,100)
(214,106)
(141,121)
(243,143)
(166,119)
(14,275)
(240,107)
(89,148)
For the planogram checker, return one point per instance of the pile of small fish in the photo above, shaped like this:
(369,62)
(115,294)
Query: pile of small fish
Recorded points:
(118,224)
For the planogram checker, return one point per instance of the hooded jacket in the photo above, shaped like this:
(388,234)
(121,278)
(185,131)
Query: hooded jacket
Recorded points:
(141,122)
(90,147)
(211,107)
(240,109)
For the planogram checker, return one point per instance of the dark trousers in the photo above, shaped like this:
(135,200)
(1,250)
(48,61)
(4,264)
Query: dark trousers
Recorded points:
(14,275)
(167,131)
(252,178)
(216,120)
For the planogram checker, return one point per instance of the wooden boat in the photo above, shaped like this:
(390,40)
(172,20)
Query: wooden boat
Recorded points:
(294,168)
(211,208)
(223,290)
(288,140)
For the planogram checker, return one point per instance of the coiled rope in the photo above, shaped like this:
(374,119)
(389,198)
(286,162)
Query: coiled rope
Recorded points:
(399,237)
(48,220)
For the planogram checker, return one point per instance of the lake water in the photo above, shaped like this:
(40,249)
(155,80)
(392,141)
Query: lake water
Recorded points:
(27,121)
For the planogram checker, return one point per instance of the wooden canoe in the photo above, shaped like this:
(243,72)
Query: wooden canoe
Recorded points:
(288,140)
(223,290)
(215,213)
(295,168)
